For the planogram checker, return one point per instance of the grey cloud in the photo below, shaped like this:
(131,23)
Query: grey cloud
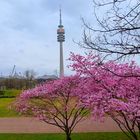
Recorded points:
(26,26)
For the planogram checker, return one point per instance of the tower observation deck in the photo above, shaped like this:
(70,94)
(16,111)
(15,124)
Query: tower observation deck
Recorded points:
(61,39)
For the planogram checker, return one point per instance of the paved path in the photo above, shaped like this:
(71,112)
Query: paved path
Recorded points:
(32,125)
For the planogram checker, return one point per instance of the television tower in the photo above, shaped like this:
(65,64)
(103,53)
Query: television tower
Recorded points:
(61,39)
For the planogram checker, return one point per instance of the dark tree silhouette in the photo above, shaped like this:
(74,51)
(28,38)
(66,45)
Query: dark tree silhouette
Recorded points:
(118,33)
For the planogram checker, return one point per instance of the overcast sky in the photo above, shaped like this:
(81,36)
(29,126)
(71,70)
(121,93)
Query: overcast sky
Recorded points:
(28,36)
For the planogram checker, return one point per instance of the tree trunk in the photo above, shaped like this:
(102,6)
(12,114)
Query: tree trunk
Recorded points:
(68,137)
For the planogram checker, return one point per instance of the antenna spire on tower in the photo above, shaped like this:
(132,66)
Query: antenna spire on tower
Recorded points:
(60,16)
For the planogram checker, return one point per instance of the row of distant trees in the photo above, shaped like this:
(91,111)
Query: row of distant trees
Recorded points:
(25,81)
(15,83)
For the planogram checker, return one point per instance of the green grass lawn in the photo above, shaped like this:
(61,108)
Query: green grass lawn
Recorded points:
(5,103)
(75,136)
(5,110)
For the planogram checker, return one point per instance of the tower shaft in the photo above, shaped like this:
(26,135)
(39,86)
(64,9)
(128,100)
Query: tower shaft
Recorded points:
(61,60)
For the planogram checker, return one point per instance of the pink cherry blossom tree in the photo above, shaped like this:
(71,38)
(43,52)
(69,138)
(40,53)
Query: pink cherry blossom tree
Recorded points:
(106,93)
(55,103)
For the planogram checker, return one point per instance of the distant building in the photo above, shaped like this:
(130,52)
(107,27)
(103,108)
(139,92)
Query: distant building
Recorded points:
(46,78)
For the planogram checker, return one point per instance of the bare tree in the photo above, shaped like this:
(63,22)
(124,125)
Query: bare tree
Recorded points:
(30,74)
(30,78)
(118,33)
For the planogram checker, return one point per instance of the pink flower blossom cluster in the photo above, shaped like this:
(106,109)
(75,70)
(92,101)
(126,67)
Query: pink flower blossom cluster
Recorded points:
(108,88)
(52,98)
